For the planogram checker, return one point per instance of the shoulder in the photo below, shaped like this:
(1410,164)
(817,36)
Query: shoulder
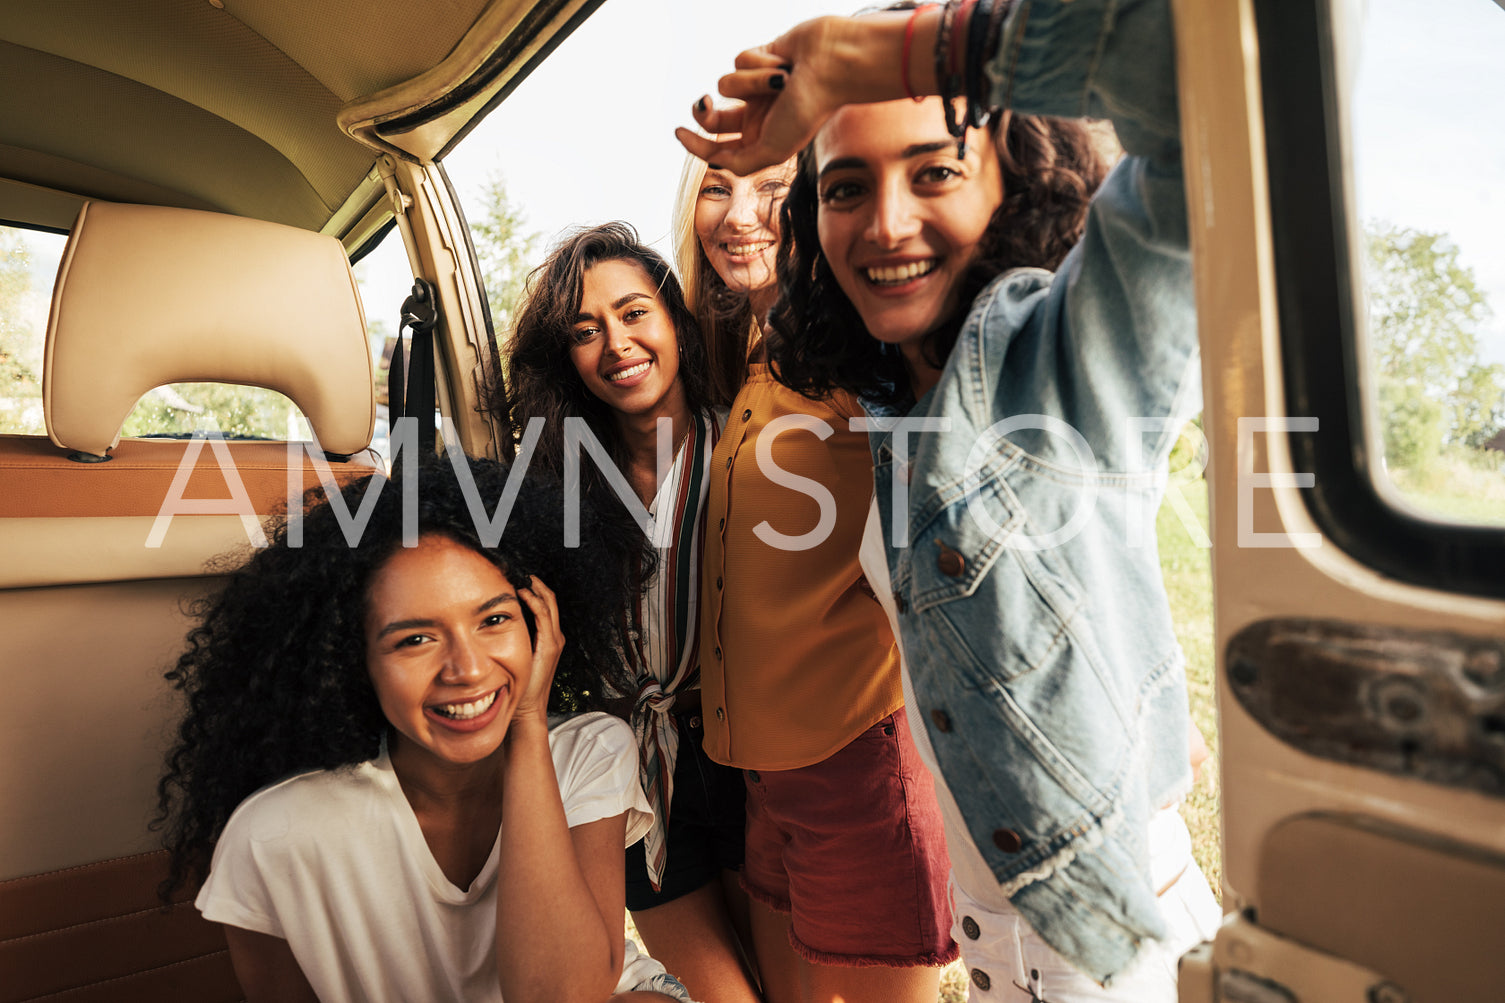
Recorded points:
(584,738)
(305,805)
(1008,301)
(596,761)
(282,828)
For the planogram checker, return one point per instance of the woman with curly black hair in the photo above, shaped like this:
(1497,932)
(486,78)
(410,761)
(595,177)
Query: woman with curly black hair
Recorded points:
(604,340)
(366,782)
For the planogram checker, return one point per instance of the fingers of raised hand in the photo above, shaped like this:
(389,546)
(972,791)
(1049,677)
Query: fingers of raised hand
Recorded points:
(732,155)
(718,120)
(760,58)
(762,82)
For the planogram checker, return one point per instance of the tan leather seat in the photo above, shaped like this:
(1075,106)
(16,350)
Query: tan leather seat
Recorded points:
(145,296)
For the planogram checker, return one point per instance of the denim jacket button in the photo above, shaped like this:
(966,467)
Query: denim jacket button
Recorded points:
(941,719)
(1007,840)
(950,563)
(980,979)
(970,928)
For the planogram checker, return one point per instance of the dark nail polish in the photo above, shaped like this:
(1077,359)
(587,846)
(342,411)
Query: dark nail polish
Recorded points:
(700,105)
(715,167)
(776,81)
(787,67)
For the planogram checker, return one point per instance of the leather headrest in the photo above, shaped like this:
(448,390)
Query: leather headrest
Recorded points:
(148,295)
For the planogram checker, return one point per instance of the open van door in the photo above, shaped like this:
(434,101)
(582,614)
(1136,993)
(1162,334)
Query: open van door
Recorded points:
(1360,607)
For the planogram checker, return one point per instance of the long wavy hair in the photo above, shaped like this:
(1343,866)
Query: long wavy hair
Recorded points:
(542,382)
(818,342)
(274,678)
(725,317)
(541,379)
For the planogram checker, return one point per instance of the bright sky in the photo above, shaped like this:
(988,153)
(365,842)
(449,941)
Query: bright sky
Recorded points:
(589,136)
(1430,146)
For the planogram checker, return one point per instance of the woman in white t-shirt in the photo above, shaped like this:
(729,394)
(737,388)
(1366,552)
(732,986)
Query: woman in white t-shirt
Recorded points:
(366,781)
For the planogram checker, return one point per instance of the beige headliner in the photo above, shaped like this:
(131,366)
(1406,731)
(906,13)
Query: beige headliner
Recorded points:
(239,109)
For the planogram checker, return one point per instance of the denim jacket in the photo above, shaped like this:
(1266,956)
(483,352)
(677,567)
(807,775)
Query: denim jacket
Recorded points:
(1024,565)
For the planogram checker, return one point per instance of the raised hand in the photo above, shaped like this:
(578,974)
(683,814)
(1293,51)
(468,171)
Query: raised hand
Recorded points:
(546,649)
(788,88)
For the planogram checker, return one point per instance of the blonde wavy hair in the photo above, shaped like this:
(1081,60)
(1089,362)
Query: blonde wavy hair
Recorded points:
(727,326)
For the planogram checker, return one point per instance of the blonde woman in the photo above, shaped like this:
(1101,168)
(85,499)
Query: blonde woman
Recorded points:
(845,862)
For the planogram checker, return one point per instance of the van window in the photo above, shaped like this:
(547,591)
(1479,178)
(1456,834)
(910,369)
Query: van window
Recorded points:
(1385,173)
(28,264)
(1429,166)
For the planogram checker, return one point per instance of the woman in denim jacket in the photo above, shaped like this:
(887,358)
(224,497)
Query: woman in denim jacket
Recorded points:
(1021,420)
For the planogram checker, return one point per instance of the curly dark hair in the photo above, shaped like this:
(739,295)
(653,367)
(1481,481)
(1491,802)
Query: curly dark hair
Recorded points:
(818,343)
(275,679)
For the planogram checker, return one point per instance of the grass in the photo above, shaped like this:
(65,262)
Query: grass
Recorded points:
(1465,485)
(1187,569)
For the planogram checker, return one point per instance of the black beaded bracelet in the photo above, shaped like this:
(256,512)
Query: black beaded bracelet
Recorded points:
(949,82)
(979,32)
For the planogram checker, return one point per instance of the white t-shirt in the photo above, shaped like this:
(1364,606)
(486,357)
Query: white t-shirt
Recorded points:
(334,862)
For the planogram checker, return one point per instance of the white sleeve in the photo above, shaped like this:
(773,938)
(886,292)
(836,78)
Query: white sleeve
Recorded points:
(236,892)
(596,760)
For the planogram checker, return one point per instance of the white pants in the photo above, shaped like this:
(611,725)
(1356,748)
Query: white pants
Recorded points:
(1009,963)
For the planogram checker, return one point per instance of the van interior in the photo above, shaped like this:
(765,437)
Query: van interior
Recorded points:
(211,171)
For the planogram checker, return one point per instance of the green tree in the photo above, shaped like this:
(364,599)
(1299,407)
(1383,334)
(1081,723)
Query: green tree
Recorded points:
(506,253)
(1425,309)
(240,412)
(15,330)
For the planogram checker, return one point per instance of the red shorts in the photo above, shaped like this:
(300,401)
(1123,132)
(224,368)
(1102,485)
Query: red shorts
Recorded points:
(853,850)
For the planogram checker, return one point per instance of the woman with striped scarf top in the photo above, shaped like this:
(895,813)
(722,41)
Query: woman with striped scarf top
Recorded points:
(610,359)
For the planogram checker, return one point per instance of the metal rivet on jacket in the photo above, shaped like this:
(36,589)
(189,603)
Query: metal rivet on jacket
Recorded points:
(1007,840)
(950,563)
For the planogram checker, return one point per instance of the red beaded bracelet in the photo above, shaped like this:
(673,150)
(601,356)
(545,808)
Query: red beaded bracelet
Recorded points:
(908,45)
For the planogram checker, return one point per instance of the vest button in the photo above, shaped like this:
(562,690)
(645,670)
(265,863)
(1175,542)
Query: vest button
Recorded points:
(720,714)
(721,524)
(747,415)
(1007,840)
(970,928)
(718,581)
(940,719)
(950,563)
(980,979)
(728,463)
(718,654)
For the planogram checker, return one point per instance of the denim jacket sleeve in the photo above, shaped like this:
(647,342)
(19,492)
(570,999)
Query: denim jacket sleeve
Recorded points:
(1051,673)
(1120,307)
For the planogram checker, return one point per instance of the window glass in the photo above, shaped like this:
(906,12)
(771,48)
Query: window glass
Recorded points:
(28,265)
(1429,171)
(384,279)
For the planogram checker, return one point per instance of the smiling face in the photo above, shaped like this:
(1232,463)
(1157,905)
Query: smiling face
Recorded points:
(448,652)
(900,217)
(737,221)
(625,347)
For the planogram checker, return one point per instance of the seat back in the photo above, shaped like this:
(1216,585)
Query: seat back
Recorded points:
(101,559)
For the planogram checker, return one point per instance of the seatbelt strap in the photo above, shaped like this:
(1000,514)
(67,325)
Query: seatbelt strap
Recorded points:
(410,389)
